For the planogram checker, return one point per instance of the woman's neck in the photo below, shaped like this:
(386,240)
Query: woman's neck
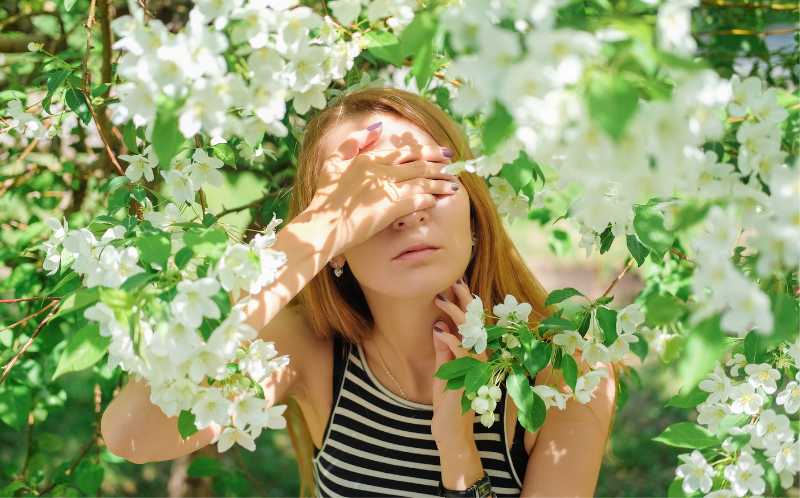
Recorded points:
(403,334)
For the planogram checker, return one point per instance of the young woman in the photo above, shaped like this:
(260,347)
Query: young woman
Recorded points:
(405,247)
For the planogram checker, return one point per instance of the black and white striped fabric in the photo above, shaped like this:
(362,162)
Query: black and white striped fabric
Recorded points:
(378,444)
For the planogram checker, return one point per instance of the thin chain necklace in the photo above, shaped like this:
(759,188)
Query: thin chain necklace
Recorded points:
(387,370)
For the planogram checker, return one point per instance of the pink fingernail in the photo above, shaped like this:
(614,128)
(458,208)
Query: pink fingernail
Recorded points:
(374,126)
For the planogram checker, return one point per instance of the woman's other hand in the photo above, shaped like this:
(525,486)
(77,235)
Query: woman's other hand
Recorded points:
(360,194)
(461,465)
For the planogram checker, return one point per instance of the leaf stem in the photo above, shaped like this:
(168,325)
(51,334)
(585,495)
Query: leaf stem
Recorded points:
(30,341)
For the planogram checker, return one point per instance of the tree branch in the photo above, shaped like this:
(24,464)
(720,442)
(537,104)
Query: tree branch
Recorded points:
(754,5)
(30,316)
(619,277)
(71,469)
(30,341)
(270,195)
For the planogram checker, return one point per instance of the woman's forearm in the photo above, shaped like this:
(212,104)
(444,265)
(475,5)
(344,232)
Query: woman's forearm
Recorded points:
(461,465)
(309,242)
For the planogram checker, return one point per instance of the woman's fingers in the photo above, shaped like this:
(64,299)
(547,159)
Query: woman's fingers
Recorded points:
(356,141)
(452,309)
(426,186)
(414,169)
(461,290)
(411,152)
(451,341)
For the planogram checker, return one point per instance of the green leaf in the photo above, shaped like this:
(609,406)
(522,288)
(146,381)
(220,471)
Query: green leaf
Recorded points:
(129,137)
(89,478)
(385,46)
(536,356)
(687,435)
(154,249)
(732,420)
(456,368)
(663,310)
(208,220)
(607,318)
(612,102)
(555,323)
(606,239)
(85,349)
(689,215)
(676,490)
(691,400)
(637,249)
(224,153)
(24,272)
(739,440)
(561,295)
(649,225)
(673,347)
(169,136)
(78,300)
(186,425)
(100,89)
(139,194)
(15,404)
(183,257)
(418,33)
(477,376)
(640,347)
(77,102)
(422,67)
(497,128)
(68,4)
(702,349)
(204,467)
(455,384)
(116,183)
(211,243)
(752,347)
(569,368)
(63,281)
(583,324)
(519,173)
(622,395)
(54,83)
(136,282)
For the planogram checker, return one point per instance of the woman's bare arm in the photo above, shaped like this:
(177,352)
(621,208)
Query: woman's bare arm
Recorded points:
(566,458)
(139,431)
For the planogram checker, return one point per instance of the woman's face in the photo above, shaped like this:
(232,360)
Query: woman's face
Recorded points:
(444,227)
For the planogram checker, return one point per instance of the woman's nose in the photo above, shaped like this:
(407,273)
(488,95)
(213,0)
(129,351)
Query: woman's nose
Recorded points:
(411,220)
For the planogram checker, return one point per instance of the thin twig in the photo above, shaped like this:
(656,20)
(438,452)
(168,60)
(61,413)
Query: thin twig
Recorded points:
(11,301)
(28,344)
(248,206)
(619,277)
(754,5)
(202,202)
(439,75)
(680,255)
(29,317)
(749,32)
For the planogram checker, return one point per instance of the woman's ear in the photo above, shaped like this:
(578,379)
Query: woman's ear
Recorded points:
(337,261)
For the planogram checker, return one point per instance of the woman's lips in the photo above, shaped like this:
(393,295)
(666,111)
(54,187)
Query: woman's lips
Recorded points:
(418,255)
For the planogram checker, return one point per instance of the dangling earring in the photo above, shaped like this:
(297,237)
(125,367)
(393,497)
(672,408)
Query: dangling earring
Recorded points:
(336,269)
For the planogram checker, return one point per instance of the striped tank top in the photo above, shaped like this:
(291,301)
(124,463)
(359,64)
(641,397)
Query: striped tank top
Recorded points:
(379,444)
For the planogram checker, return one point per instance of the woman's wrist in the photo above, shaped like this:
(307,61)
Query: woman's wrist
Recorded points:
(461,464)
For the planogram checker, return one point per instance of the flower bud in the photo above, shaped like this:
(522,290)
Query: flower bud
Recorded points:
(487,419)
(480,405)
(495,393)
(483,391)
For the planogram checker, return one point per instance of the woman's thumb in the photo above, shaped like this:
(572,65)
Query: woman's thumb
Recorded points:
(357,140)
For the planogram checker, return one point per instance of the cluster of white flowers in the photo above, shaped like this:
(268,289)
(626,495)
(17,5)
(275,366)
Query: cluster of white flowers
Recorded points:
(768,430)
(594,349)
(484,401)
(172,353)
(273,39)
(539,86)
(473,330)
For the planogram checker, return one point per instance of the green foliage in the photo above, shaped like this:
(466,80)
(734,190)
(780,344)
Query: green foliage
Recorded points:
(687,435)
(85,349)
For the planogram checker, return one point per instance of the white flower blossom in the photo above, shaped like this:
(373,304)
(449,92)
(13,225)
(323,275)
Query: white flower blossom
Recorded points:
(745,476)
(718,384)
(790,397)
(696,472)
(763,376)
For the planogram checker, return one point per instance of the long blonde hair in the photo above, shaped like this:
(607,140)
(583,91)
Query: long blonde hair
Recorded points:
(336,306)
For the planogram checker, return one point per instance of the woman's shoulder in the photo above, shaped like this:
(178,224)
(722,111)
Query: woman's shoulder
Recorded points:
(310,356)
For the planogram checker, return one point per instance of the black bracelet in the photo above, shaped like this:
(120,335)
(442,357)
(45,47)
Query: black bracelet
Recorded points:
(481,489)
